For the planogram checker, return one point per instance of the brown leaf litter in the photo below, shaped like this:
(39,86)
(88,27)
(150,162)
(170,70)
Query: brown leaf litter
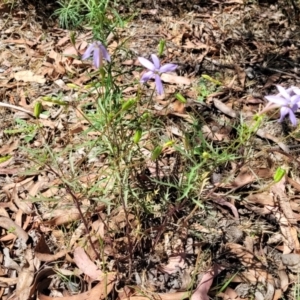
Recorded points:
(243,232)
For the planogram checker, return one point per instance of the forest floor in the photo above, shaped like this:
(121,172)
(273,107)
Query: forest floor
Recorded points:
(111,191)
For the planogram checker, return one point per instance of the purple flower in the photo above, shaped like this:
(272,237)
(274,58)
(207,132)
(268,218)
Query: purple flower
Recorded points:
(155,70)
(288,100)
(99,52)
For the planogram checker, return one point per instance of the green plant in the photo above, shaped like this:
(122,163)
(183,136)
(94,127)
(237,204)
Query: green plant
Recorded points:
(69,14)
(28,130)
(99,15)
(206,86)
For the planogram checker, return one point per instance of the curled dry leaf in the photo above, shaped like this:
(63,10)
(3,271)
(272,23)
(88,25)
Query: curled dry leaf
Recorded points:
(99,292)
(224,108)
(6,282)
(248,176)
(79,231)
(175,262)
(277,294)
(9,147)
(84,263)
(214,136)
(24,206)
(289,233)
(50,257)
(284,280)
(9,224)
(8,262)
(62,216)
(166,296)
(228,204)
(292,261)
(265,135)
(201,292)
(246,257)
(5,171)
(229,294)
(25,277)
(120,220)
(293,183)
(254,276)
(278,190)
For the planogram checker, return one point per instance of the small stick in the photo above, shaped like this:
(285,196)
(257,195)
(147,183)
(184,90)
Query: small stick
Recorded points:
(17,108)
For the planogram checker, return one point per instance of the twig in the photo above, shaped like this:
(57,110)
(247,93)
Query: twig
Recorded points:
(17,108)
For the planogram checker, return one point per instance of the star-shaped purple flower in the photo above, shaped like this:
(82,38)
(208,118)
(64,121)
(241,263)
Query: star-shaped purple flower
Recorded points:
(155,70)
(288,100)
(99,53)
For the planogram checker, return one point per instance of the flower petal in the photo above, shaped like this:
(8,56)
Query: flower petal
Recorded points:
(283,92)
(293,90)
(277,99)
(148,75)
(97,58)
(292,118)
(283,112)
(156,61)
(146,63)
(159,85)
(296,90)
(295,100)
(105,53)
(88,52)
(168,68)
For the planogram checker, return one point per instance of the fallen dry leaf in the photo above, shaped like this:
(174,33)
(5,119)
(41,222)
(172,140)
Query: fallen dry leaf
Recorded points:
(84,263)
(175,79)
(29,76)
(254,276)
(201,292)
(9,147)
(25,277)
(229,294)
(62,216)
(99,292)
(50,257)
(214,136)
(160,296)
(222,202)
(174,262)
(247,176)
(9,224)
(224,108)
(278,189)
(246,257)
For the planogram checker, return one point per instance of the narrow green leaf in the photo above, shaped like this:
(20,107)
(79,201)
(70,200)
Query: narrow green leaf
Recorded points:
(168,144)
(37,109)
(4,158)
(128,104)
(54,100)
(145,116)
(180,98)
(156,152)
(161,47)
(72,37)
(207,77)
(279,173)
(137,136)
